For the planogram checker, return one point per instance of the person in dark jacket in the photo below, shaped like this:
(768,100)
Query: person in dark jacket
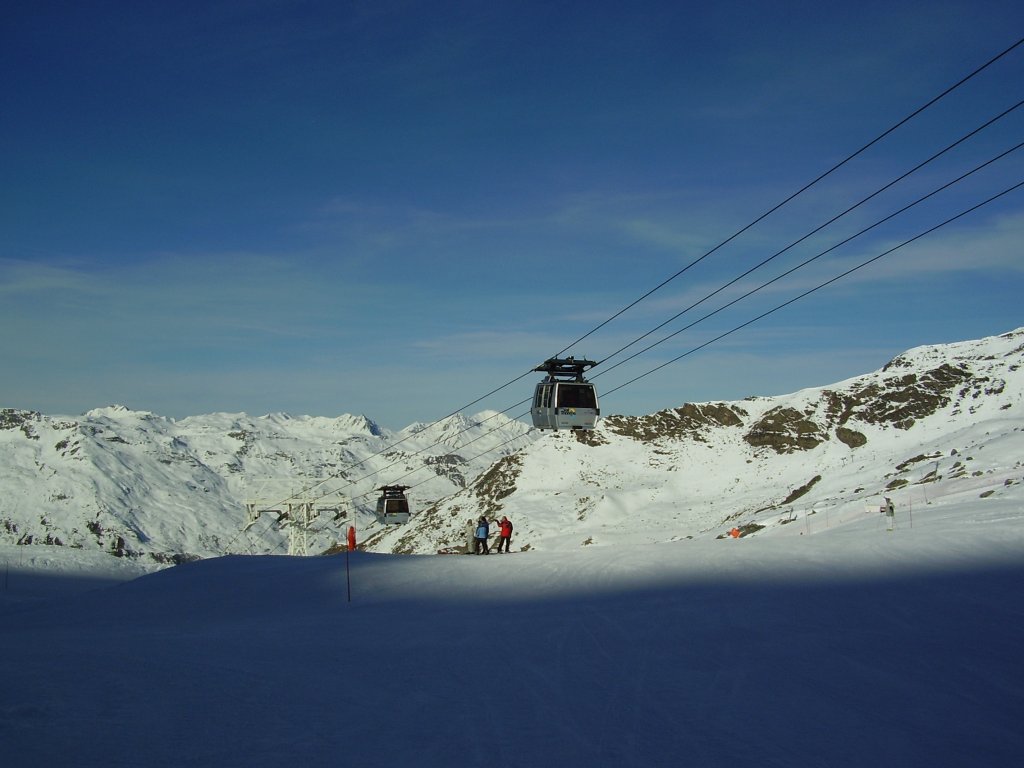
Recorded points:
(505,535)
(483,529)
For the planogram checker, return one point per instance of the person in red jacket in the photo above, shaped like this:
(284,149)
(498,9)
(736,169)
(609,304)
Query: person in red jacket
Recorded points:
(505,535)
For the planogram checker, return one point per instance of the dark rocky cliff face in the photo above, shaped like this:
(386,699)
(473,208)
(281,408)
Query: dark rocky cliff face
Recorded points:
(902,400)
(785,430)
(897,397)
(705,463)
(692,421)
(897,401)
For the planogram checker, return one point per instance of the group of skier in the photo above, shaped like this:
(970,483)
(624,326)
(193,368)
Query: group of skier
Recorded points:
(477,533)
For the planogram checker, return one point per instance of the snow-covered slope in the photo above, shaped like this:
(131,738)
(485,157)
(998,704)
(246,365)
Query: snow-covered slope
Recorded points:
(935,420)
(847,647)
(136,484)
(832,636)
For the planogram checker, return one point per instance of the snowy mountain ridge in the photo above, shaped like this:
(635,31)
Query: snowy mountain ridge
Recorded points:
(132,483)
(944,415)
(627,634)
(136,484)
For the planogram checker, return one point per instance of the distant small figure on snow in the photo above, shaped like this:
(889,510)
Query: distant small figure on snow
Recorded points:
(482,532)
(890,512)
(505,535)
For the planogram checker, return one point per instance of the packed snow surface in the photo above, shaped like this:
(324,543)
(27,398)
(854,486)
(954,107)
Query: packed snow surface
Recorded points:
(846,645)
(625,629)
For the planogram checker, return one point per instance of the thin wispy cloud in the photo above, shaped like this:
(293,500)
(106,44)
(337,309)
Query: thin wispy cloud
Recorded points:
(372,208)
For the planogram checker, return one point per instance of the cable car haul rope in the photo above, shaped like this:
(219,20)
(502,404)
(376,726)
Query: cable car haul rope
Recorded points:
(565,400)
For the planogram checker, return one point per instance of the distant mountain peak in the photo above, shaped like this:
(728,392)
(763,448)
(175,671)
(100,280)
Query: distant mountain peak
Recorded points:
(113,410)
(136,485)
(680,471)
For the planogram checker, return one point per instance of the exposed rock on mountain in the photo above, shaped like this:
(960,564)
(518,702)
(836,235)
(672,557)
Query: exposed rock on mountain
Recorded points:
(936,413)
(135,484)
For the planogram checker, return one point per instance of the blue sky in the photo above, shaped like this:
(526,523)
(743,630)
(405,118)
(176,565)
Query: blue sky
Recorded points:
(392,208)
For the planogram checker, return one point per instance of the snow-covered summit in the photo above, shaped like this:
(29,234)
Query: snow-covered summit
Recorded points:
(113,411)
(140,485)
(459,430)
(936,413)
(895,638)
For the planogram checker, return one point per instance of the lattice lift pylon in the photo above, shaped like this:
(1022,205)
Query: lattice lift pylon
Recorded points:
(295,515)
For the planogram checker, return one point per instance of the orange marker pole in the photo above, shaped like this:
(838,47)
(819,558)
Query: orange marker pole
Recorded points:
(349,548)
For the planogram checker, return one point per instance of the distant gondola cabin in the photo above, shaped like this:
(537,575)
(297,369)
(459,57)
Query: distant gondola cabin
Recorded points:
(564,399)
(392,506)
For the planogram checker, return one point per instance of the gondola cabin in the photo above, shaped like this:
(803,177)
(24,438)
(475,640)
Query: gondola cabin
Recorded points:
(392,506)
(564,399)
